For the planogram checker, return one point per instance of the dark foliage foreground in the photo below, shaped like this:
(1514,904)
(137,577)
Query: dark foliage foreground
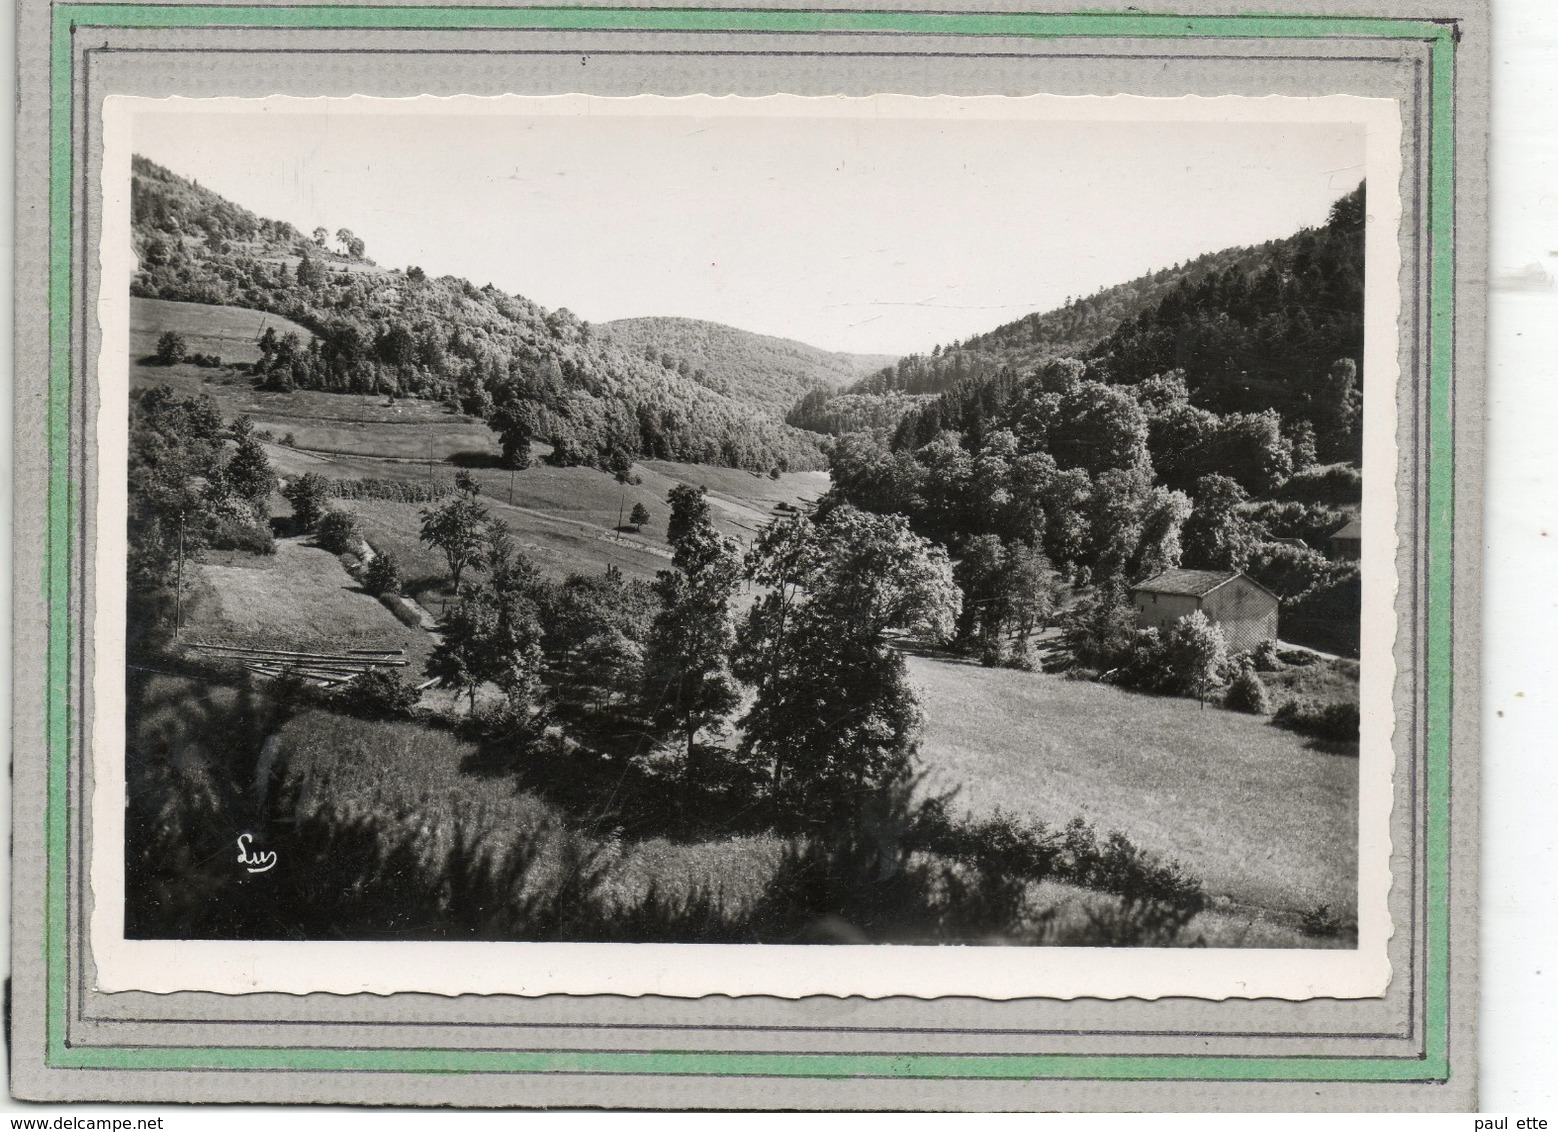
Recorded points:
(902,871)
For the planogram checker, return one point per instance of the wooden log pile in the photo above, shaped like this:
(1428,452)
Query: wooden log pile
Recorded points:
(328,669)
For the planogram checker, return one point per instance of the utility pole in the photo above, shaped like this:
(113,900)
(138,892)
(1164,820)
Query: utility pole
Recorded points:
(511,483)
(178,598)
(621,500)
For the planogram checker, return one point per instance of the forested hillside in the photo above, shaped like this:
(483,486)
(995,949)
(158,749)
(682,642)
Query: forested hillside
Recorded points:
(1219,429)
(1252,328)
(536,373)
(754,368)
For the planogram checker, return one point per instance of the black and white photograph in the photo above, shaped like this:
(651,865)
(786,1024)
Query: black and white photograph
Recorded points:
(951,524)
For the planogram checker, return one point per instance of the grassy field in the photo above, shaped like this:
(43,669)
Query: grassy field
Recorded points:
(231,333)
(405,768)
(300,597)
(1250,809)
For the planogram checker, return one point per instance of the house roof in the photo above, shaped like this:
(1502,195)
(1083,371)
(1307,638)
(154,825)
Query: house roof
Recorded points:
(1190,583)
(1353,529)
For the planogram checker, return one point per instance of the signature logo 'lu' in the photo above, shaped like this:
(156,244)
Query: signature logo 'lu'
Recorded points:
(260,861)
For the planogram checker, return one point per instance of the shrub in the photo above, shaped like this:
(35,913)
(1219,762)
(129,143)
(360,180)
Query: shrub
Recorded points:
(382,577)
(233,534)
(171,348)
(1337,723)
(397,491)
(1325,483)
(338,532)
(1188,661)
(1248,694)
(1118,866)
(289,440)
(1264,656)
(382,693)
(1002,844)
(1146,669)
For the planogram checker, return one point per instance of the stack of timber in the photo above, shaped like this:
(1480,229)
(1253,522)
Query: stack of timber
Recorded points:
(327,669)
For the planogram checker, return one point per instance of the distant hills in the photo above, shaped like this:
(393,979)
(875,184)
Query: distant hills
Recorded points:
(757,369)
(597,396)
(1250,326)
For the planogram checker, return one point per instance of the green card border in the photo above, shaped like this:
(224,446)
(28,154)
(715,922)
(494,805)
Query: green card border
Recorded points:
(65,503)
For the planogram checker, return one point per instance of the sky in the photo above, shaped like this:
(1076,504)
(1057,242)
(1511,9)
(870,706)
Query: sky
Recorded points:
(843,224)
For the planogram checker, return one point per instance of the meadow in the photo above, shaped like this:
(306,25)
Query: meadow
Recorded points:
(396,804)
(1264,819)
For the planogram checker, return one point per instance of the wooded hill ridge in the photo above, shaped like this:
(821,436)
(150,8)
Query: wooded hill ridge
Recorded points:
(597,398)
(1252,328)
(758,369)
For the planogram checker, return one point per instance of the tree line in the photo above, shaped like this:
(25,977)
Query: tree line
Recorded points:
(831,716)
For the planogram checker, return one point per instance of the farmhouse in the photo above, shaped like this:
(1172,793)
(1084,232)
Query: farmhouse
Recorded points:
(1246,610)
(1347,543)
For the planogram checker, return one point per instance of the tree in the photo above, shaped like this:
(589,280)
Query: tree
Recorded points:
(833,715)
(1100,630)
(687,678)
(461,659)
(321,236)
(982,578)
(172,447)
(351,245)
(249,473)
(689,512)
(308,495)
(1337,411)
(457,528)
(1195,653)
(1251,449)
(491,634)
(514,422)
(171,348)
(639,516)
(307,272)
(596,627)
(382,575)
(1217,536)
(1159,547)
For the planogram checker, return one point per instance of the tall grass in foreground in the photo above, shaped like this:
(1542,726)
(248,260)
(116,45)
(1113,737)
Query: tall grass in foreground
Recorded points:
(363,853)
